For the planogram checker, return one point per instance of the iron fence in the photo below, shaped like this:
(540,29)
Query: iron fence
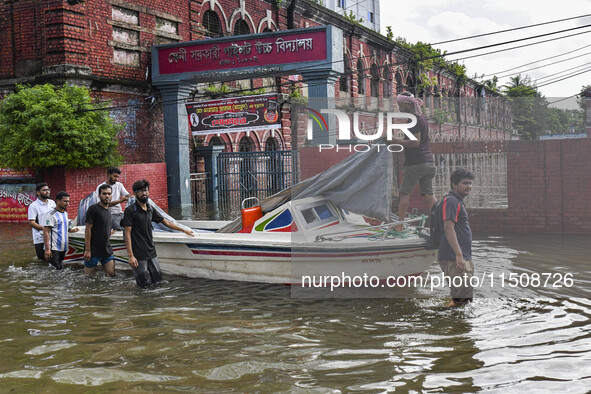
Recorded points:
(490,173)
(254,174)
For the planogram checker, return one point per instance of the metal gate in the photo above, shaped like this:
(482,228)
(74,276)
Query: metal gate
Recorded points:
(254,174)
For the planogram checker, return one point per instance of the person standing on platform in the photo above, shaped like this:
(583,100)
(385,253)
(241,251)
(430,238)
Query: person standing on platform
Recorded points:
(55,231)
(137,224)
(419,164)
(96,236)
(37,211)
(119,195)
(455,249)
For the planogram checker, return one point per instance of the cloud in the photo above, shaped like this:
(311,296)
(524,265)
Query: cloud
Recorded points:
(437,20)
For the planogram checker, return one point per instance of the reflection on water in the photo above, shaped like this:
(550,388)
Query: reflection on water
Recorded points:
(63,331)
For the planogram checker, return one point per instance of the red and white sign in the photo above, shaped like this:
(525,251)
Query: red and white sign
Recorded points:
(236,53)
(15,200)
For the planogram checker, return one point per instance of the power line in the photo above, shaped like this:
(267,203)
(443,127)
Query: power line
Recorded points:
(562,79)
(519,46)
(563,71)
(546,65)
(512,29)
(535,61)
(511,41)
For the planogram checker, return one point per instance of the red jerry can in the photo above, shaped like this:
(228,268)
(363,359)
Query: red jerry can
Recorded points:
(252,214)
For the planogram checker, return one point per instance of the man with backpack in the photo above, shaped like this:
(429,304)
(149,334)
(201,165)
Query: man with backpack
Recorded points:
(455,247)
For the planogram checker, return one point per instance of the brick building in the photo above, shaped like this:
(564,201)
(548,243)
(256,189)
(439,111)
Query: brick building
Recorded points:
(105,45)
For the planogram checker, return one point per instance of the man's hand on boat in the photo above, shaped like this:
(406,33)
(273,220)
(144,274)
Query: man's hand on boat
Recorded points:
(190,233)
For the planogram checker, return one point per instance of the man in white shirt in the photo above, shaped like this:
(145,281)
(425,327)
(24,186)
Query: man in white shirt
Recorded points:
(37,211)
(119,195)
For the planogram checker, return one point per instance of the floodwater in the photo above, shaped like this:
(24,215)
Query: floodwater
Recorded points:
(64,332)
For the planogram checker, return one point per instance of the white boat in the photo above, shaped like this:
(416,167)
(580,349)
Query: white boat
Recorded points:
(307,237)
(299,237)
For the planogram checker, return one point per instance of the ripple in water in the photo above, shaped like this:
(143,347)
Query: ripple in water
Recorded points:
(63,330)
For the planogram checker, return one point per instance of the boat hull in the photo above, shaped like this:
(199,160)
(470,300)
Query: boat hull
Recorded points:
(280,261)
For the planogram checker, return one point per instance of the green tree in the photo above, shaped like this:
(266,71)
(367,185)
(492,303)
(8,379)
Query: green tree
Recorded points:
(46,126)
(492,83)
(582,97)
(528,106)
(426,58)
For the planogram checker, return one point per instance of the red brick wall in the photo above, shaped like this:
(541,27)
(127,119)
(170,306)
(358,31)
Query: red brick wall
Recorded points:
(548,184)
(81,182)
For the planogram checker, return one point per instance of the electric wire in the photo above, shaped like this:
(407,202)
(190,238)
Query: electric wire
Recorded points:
(508,30)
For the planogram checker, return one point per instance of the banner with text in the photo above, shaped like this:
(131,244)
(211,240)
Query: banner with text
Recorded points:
(15,200)
(11,173)
(236,114)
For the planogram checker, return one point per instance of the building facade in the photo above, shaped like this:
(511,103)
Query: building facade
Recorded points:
(106,46)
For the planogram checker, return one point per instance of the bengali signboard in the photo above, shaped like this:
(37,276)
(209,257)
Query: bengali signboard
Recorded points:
(237,52)
(15,200)
(248,113)
(10,173)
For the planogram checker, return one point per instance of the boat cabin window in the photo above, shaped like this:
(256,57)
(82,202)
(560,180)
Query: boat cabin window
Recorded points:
(317,214)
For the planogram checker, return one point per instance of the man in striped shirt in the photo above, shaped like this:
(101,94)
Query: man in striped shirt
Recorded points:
(55,231)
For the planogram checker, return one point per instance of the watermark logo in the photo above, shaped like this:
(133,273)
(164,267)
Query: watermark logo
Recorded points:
(315,115)
(388,121)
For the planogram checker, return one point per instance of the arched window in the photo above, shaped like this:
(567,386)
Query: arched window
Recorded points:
(241,27)
(271,144)
(211,23)
(218,141)
(345,76)
(387,82)
(267,30)
(410,85)
(375,80)
(399,84)
(360,77)
(246,144)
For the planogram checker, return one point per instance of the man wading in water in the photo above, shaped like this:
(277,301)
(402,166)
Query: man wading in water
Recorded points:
(455,250)
(137,225)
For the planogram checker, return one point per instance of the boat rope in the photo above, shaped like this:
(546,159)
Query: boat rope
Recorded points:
(383,231)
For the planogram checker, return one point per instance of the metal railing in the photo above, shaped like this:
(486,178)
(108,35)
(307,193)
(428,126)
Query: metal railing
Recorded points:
(254,174)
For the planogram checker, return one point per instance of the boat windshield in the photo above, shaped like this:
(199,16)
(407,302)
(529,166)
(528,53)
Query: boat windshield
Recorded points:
(318,214)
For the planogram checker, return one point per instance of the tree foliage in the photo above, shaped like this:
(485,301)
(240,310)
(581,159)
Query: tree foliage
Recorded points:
(427,58)
(582,97)
(45,126)
(532,114)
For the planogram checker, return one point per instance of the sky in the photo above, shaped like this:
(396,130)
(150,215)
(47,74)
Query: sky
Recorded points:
(439,20)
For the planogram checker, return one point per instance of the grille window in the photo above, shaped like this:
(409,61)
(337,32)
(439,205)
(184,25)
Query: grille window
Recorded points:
(241,27)
(211,23)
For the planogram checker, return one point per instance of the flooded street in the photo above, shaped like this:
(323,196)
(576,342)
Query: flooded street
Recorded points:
(62,331)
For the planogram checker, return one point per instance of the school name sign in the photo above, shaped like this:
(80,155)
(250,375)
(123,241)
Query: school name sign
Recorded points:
(246,56)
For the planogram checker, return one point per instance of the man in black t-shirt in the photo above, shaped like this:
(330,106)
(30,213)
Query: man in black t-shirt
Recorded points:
(455,249)
(137,230)
(97,234)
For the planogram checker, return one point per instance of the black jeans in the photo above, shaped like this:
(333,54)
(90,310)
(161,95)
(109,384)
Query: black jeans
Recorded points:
(57,258)
(147,272)
(39,249)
